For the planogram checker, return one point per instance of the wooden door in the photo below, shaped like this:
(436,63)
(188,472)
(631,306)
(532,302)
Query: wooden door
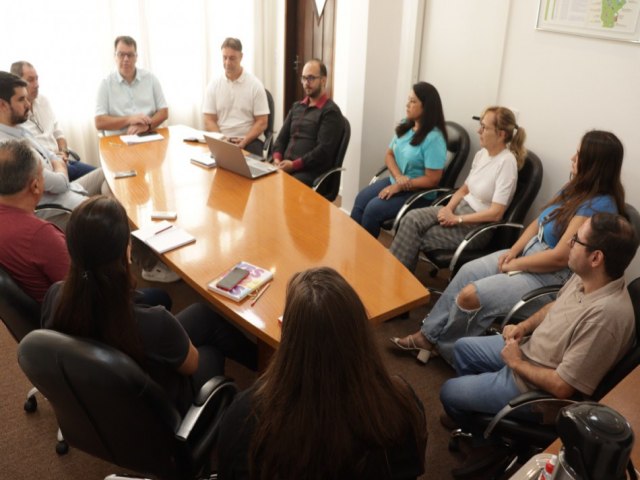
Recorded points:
(309,34)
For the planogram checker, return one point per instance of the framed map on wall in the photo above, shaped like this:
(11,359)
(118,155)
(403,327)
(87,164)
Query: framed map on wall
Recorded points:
(610,19)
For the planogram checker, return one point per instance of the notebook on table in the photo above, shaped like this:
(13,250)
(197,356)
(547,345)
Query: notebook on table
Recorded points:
(230,157)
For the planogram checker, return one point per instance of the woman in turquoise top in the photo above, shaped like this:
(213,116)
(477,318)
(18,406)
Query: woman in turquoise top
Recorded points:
(415,159)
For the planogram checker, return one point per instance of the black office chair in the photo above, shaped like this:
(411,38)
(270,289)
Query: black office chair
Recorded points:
(458,145)
(524,438)
(21,315)
(109,407)
(506,232)
(328,184)
(267,147)
(54,213)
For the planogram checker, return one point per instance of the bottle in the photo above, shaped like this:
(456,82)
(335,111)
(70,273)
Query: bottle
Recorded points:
(547,471)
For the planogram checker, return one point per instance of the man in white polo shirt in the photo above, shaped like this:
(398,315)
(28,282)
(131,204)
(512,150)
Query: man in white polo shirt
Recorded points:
(236,104)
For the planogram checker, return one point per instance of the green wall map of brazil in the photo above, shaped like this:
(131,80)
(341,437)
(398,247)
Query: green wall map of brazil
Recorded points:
(610,9)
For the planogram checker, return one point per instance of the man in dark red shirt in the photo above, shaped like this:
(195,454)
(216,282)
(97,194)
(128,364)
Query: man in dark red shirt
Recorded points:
(308,141)
(32,251)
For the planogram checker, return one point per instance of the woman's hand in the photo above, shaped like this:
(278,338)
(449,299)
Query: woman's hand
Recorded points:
(506,262)
(447,218)
(403,181)
(388,192)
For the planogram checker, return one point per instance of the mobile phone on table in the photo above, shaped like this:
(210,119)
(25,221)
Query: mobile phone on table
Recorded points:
(147,133)
(231,279)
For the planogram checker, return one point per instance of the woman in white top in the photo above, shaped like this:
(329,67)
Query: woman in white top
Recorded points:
(483,198)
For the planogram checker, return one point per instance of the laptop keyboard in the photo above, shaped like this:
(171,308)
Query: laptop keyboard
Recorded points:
(258,167)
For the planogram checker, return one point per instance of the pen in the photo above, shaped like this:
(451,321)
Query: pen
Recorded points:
(260,294)
(164,229)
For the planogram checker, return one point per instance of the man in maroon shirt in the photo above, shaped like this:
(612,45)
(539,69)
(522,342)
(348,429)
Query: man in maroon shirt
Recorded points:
(32,251)
(308,141)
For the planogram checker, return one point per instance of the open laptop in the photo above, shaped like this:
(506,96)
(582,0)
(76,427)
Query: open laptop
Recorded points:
(230,157)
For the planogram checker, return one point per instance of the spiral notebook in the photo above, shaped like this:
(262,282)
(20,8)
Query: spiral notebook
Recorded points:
(256,278)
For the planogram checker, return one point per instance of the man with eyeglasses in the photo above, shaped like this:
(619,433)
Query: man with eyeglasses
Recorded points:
(310,136)
(130,100)
(236,103)
(568,345)
(42,122)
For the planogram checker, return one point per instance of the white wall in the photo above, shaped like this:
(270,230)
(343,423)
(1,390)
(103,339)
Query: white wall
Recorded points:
(479,52)
(375,66)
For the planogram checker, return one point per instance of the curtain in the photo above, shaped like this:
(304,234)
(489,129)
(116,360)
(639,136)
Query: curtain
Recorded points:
(70,43)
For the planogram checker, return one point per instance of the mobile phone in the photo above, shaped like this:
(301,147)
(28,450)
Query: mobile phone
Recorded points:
(125,174)
(160,215)
(144,134)
(231,279)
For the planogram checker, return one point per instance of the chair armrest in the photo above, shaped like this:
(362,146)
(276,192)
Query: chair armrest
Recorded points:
(318,181)
(266,147)
(443,199)
(52,206)
(413,199)
(528,298)
(216,393)
(473,234)
(377,174)
(526,399)
(73,155)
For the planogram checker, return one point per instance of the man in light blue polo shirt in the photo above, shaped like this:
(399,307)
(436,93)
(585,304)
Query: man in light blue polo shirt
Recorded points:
(130,100)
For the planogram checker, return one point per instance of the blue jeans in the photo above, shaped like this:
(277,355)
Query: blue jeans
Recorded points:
(370,211)
(497,293)
(485,384)
(78,169)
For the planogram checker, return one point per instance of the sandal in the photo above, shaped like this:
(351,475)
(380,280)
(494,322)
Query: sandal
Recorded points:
(423,353)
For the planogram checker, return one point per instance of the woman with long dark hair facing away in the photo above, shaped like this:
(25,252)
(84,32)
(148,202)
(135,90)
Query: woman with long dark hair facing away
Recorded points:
(489,286)
(484,196)
(326,407)
(415,159)
(95,301)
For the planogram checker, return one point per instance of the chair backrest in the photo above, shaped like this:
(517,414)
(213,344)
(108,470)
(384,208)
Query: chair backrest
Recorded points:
(529,181)
(19,312)
(271,117)
(331,186)
(458,145)
(632,358)
(633,217)
(106,405)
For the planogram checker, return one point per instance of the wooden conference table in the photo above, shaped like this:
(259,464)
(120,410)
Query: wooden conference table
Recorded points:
(274,222)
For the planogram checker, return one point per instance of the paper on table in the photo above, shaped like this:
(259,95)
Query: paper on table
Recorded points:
(134,139)
(164,236)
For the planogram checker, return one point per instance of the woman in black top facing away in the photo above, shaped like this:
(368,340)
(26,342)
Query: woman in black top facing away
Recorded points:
(326,407)
(95,301)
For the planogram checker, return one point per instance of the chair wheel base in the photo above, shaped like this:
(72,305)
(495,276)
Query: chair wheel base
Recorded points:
(30,405)
(62,448)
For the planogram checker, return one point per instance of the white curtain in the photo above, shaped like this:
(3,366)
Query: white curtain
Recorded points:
(70,43)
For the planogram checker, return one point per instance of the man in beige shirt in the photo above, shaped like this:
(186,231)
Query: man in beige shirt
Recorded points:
(567,346)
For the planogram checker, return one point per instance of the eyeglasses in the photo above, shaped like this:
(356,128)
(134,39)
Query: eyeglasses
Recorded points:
(122,55)
(575,240)
(308,78)
(484,127)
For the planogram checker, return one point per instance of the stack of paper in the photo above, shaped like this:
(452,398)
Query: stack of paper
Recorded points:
(134,139)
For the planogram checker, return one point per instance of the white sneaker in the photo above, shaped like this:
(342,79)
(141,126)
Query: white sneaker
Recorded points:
(160,273)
